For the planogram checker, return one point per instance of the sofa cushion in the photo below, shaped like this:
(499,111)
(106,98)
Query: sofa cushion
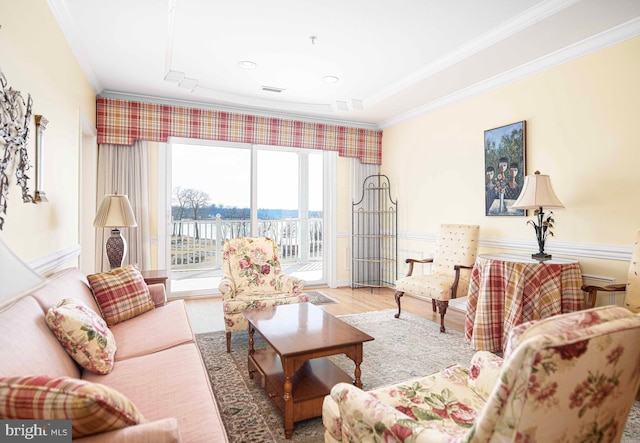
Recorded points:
(92,407)
(83,334)
(153,331)
(121,294)
(171,383)
(27,345)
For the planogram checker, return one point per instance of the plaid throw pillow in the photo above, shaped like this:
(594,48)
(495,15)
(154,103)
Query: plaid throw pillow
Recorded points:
(121,294)
(83,334)
(92,407)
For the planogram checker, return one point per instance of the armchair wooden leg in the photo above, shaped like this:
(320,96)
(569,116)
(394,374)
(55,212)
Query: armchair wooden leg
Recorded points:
(442,307)
(397,296)
(228,341)
(433,304)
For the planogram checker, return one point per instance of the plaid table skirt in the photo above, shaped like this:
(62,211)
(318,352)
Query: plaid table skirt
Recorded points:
(503,294)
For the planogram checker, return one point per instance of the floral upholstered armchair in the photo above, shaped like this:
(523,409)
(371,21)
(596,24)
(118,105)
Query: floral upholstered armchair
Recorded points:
(253,279)
(568,378)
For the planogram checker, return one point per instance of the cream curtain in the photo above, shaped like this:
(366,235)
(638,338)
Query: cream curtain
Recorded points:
(125,170)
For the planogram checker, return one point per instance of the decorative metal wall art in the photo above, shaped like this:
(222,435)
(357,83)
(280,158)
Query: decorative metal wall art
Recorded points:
(15,116)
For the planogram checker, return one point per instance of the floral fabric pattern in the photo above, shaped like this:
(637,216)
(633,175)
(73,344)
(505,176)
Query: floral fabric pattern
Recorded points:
(570,378)
(253,279)
(83,334)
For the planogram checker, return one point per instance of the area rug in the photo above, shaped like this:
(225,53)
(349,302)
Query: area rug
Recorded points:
(410,346)
(319,298)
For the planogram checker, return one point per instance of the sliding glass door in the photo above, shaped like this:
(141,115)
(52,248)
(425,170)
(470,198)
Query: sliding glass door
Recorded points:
(289,189)
(221,191)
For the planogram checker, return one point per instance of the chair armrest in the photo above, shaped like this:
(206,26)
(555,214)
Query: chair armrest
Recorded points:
(226,288)
(289,284)
(484,373)
(363,416)
(158,294)
(592,292)
(413,261)
(456,279)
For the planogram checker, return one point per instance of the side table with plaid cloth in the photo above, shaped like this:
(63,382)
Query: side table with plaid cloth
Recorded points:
(509,289)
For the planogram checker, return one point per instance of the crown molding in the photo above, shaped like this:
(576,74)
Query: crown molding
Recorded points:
(585,47)
(517,24)
(235,110)
(60,11)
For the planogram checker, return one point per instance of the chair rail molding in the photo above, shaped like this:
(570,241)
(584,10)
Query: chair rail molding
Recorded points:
(48,263)
(600,251)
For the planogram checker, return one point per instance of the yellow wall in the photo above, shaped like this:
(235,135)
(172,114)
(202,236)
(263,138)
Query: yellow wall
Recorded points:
(37,60)
(582,129)
(581,119)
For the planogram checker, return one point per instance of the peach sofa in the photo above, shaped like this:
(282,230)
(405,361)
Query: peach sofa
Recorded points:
(157,366)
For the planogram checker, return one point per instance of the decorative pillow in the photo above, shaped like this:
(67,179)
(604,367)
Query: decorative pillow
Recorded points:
(83,334)
(92,407)
(121,294)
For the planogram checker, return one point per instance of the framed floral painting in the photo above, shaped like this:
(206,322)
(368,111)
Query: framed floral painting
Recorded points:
(504,168)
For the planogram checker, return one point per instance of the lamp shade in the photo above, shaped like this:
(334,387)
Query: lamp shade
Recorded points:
(537,192)
(115,212)
(16,277)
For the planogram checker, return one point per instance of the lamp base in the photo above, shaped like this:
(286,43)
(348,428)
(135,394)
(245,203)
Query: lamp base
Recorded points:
(116,249)
(541,256)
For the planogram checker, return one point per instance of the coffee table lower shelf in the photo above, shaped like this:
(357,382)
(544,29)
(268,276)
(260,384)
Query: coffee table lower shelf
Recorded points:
(311,383)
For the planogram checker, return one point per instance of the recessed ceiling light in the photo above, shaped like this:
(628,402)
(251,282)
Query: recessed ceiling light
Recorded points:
(330,79)
(247,64)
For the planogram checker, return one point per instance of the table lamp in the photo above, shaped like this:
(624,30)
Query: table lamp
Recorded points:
(17,277)
(537,194)
(115,212)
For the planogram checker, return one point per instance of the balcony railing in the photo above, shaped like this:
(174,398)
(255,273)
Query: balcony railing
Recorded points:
(198,243)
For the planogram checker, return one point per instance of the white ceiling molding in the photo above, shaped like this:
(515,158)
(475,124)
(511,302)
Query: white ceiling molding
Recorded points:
(592,44)
(407,58)
(234,109)
(496,35)
(60,10)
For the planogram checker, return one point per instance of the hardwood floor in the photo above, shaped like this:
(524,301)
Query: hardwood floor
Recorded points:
(206,314)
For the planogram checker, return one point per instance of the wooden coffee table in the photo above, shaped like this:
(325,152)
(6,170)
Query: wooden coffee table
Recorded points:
(294,370)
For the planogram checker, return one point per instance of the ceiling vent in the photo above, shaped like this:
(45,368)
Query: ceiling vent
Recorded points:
(272,89)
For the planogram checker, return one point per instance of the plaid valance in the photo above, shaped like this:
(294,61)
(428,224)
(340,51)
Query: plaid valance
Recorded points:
(121,122)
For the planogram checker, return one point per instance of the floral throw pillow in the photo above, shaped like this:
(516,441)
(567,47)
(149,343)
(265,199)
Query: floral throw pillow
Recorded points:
(83,334)
(92,407)
(121,294)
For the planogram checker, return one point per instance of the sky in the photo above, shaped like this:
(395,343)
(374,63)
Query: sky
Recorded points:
(224,173)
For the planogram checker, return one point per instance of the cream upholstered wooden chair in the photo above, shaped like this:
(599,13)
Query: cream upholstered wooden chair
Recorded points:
(253,279)
(454,256)
(631,287)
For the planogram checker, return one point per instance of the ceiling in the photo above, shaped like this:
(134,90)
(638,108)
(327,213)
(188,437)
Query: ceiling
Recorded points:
(392,59)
